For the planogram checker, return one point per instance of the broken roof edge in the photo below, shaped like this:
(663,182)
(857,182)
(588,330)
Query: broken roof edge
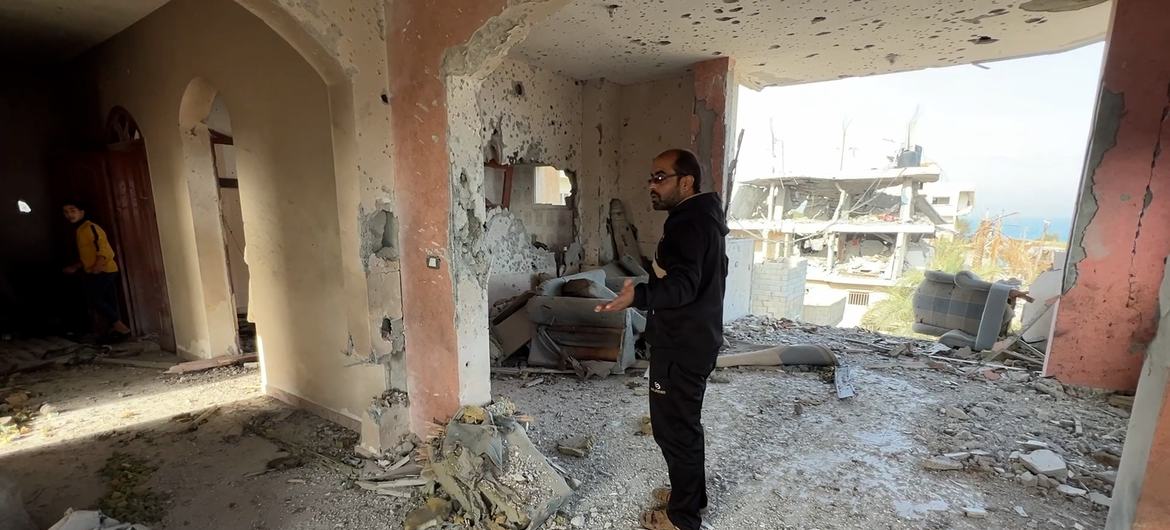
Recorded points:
(917,174)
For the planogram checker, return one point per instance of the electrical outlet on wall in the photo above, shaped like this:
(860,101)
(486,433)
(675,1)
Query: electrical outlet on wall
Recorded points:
(433,262)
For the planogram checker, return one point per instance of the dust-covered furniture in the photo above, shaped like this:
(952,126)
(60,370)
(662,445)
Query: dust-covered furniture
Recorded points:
(963,310)
(565,324)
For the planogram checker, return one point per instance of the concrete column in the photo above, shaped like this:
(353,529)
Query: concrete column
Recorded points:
(1106,317)
(418,36)
(713,121)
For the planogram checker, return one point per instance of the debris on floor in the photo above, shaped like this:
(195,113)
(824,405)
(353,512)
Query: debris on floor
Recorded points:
(128,497)
(208,364)
(497,478)
(92,520)
(579,446)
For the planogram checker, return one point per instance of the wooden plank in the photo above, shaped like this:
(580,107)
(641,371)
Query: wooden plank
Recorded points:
(153,365)
(208,364)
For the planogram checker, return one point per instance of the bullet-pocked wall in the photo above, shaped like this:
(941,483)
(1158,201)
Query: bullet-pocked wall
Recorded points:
(311,135)
(528,116)
(656,116)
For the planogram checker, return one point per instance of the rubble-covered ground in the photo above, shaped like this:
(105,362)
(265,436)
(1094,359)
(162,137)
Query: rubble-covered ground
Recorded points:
(208,451)
(829,463)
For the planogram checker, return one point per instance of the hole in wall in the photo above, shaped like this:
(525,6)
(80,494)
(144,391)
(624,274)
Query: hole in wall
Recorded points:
(518,88)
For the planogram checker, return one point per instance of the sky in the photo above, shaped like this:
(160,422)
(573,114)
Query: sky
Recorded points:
(1016,130)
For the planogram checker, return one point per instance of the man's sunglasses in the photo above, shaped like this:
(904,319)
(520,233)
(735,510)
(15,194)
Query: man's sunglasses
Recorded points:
(659,178)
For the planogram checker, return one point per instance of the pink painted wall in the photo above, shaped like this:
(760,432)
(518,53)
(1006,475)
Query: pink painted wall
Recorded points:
(1121,237)
(420,31)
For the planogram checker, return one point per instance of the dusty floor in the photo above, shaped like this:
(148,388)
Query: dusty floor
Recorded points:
(838,464)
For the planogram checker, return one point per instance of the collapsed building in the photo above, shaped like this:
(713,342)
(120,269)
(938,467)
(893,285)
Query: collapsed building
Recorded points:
(395,161)
(856,233)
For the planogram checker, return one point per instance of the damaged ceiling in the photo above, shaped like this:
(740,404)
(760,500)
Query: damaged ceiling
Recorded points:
(33,31)
(798,41)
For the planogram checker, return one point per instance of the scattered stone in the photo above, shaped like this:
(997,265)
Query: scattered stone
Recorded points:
(1028,480)
(1047,482)
(942,463)
(1045,462)
(1033,445)
(964,435)
(957,413)
(1071,491)
(1051,387)
(980,413)
(5,421)
(975,512)
(578,521)
(962,455)
(579,446)
(1020,512)
(252,365)
(48,410)
(641,391)
(1101,499)
(1107,459)
(1109,476)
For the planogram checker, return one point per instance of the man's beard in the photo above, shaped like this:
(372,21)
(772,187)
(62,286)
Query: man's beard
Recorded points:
(661,203)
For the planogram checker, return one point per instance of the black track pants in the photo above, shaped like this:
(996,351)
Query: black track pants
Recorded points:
(676,408)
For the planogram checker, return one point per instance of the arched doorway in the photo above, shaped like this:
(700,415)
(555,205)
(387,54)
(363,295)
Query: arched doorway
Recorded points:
(115,182)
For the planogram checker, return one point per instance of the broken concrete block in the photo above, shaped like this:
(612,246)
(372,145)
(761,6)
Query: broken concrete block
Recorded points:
(1101,499)
(1033,444)
(942,463)
(1051,387)
(1045,462)
(1020,512)
(579,446)
(390,413)
(975,512)
(957,413)
(1071,491)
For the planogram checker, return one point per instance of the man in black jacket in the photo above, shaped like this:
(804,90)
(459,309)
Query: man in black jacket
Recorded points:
(685,330)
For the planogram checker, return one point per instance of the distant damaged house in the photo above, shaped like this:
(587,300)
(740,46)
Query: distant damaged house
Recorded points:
(858,231)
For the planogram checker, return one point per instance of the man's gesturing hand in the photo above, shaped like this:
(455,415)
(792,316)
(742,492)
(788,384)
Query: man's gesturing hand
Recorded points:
(623,301)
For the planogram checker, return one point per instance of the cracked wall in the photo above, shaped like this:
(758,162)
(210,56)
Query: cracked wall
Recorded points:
(1108,314)
(528,116)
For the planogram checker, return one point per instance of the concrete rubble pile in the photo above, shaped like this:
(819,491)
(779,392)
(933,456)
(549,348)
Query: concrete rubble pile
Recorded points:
(488,474)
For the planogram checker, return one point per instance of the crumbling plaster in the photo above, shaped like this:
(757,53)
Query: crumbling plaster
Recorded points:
(298,180)
(438,160)
(1122,230)
(800,41)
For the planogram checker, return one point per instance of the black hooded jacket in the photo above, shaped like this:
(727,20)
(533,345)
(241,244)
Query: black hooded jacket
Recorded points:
(686,306)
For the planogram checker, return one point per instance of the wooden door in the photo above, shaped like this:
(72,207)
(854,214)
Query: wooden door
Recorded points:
(139,246)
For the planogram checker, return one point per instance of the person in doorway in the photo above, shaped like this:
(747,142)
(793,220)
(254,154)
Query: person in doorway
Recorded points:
(96,261)
(684,298)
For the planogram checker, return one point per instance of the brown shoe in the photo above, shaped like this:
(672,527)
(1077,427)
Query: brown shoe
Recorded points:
(657,520)
(661,496)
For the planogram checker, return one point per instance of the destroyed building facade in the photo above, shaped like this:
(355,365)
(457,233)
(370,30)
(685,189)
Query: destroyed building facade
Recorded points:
(371,137)
(857,232)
